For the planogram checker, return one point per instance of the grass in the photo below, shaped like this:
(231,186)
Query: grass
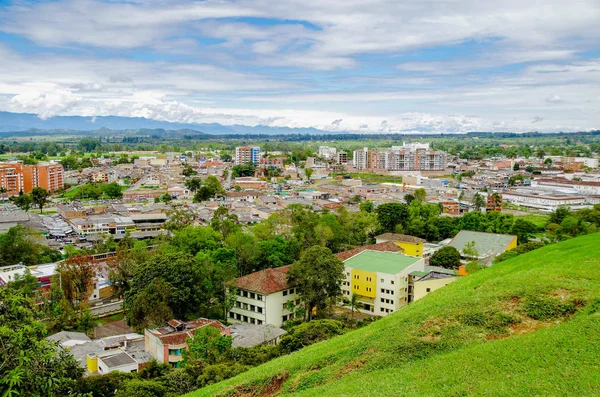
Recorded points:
(111,319)
(370,177)
(525,327)
(74,192)
(538,219)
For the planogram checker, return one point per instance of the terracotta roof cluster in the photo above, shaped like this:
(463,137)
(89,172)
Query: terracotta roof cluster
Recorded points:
(265,281)
(400,237)
(386,246)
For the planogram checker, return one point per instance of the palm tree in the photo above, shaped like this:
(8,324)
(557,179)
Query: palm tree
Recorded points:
(355,303)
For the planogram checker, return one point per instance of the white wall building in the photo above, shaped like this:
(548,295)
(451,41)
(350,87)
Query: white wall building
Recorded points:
(327,153)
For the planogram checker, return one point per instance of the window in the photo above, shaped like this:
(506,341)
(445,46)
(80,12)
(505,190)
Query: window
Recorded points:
(238,317)
(252,321)
(382,309)
(252,308)
(259,309)
(284,318)
(392,292)
(392,282)
(285,293)
(382,291)
(297,301)
(245,319)
(382,280)
(428,290)
(259,322)
(231,315)
(259,297)
(252,295)
(382,300)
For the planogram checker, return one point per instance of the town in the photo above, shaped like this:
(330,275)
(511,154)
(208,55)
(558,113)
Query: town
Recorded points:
(132,254)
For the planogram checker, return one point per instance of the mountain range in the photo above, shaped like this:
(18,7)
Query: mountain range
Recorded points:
(16,122)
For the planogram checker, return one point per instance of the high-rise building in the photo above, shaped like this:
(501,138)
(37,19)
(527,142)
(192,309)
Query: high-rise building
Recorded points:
(360,161)
(247,155)
(342,158)
(16,177)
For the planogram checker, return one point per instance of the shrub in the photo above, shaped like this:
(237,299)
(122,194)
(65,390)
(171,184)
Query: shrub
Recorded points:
(546,308)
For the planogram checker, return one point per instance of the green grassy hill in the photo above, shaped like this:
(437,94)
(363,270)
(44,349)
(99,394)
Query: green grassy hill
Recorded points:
(529,326)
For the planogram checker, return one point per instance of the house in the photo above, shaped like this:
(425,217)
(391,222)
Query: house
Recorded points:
(411,245)
(486,245)
(167,343)
(264,297)
(431,279)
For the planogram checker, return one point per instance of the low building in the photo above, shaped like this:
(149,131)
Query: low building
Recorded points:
(411,245)
(166,344)
(248,335)
(494,202)
(264,297)
(486,245)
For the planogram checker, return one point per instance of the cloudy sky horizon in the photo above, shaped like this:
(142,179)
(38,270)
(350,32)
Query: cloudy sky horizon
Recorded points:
(361,66)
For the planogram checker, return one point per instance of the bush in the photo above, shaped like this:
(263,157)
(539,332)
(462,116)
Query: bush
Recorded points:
(219,372)
(547,308)
(308,333)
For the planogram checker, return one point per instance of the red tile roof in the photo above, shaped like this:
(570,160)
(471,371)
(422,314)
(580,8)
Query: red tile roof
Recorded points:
(387,246)
(265,281)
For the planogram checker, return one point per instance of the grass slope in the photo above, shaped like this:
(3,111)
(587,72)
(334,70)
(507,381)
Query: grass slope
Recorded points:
(527,326)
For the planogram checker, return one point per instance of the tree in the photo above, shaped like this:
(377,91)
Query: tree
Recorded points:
(166,198)
(478,202)
(447,257)
(470,251)
(421,195)
(30,364)
(39,196)
(178,218)
(367,206)
(23,201)
(77,275)
(308,172)
(3,191)
(16,246)
(391,214)
(189,171)
(226,158)
(177,282)
(113,190)
(193,184)
(207,345)
(523,229)
(516,167)
(242,170)
(548,162)
(317,275)
(409,198)
(246,250)
(355,303)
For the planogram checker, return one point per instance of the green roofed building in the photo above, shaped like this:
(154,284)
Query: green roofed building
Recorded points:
(383,280)
(486,245)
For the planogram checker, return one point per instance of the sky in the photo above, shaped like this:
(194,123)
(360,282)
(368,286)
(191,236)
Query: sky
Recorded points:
(369,66)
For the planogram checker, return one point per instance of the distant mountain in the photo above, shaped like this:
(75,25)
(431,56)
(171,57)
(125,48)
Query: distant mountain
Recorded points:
(13,122)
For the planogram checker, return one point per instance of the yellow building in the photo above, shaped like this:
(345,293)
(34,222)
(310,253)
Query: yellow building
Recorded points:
(411,245)
(381,279)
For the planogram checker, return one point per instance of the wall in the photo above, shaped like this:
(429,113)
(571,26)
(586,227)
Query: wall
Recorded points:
(364,283)
(420,287)
(411,249)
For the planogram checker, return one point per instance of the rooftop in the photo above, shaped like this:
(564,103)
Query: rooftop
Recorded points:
(265,281)
(386,246)
(400,237)
(381,262)
(486,244)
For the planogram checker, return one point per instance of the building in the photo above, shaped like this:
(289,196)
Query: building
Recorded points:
(451,207)
(327,153)
(247,155)
(264,297)
(494,202)
(386,281)
(16,177)
(341,158)
(410,245)
(486,245)
(408,157)
(546,199)
(167,343)
(277,162)
(247,335)
(360,160)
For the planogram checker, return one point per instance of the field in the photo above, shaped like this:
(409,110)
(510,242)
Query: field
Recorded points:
(74,192)
(370,177)
(538,219)
(525,327)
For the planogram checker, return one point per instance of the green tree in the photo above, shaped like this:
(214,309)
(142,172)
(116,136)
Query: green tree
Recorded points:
(23,201)
(523,229)
(516,167)
(246,250)
(39,197)
(469,250)
(308,172)
(391,214)
(178,218)
(207,345)
(354,303)
(447,257)
(367,206)
(317,275)
(17,245)
(189,171)
(113,190)
(166,198)
(478,202)
(421,195)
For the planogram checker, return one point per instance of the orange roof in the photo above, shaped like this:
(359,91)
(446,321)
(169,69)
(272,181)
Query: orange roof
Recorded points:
(387,246)
(265,281)
(400,237)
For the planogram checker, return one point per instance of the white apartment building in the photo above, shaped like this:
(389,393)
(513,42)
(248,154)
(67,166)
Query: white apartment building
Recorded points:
(545,201)
(360,160)
(264,297)
(327,153)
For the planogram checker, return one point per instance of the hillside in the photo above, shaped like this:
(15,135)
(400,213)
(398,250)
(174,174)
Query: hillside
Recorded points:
(527,326)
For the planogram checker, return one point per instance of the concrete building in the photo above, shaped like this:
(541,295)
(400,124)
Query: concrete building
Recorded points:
(264,297)
(167,343)
(493,202)
(360,160)
(487,245)
(408,157)
(247,155)
(327,153)
(16,177)
(341,158)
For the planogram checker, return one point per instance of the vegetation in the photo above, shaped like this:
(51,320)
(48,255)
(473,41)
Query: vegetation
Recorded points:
(489,325)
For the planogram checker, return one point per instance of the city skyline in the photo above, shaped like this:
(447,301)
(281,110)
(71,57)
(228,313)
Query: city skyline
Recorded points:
(455,66)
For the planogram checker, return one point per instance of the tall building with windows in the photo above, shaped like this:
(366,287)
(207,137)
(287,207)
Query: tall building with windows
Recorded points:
(408,157)
(16,177)
(360,160)
(264,297)
(247,155)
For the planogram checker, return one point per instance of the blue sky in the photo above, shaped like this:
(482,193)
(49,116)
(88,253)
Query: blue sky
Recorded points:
(378,65)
